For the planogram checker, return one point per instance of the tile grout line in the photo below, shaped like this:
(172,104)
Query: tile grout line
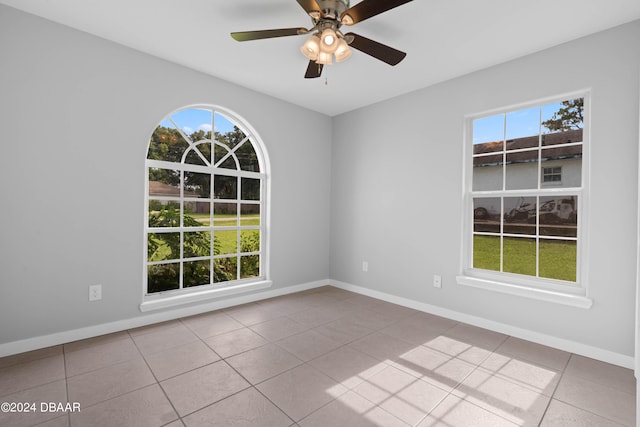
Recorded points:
(66,381)
(223,359)
(555,389)
(155,378)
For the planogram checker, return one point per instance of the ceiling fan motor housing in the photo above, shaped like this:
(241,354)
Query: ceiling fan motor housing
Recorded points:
(331,9)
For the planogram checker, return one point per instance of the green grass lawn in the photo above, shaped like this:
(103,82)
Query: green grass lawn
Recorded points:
(557,258)
(226,220)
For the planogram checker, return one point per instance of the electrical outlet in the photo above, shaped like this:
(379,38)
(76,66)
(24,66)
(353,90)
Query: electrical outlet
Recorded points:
(437,281)
(365,266)
(95,292)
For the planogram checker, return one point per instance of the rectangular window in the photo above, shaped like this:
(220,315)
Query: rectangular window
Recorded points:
(552,174)
(525,192)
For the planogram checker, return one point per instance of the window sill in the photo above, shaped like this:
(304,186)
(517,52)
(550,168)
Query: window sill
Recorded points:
(160,302)
(523,291)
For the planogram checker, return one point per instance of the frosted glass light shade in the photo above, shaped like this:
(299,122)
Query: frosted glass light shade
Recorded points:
(328,41)
(324,58)
(311,48)
(343,52)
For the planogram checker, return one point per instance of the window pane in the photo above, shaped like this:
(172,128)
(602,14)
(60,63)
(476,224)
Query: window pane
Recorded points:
(486,214)
(486,252)
(487,172)
(164,213)
(569,159)
(229,163)
(249,241)
(225,269)
(250,189)
(226,187)
(193,158)
(522,124)
(519,256)
(196,244)
(558,259)
(559,216)
(232,138)
(196,123)
(196,214)
(163,277)
(226,242)
(167,144)
(196,273)
(225,214)
(247,157)
(249,214)
(520,215)
(249,266)
(563,116)
(163,246)
(200,155)
(522,170)
(220,153)
(197,185)
(222,124)
(488,129)
(164,182)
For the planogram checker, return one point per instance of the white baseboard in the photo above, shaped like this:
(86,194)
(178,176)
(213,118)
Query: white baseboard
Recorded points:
(35,343)
(525,334)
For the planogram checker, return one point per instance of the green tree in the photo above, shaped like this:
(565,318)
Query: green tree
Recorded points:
(568,117)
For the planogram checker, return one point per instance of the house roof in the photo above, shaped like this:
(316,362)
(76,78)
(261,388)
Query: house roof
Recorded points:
(157,188)
(555,146)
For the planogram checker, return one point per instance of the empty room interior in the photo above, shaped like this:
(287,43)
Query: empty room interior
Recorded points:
(382,213)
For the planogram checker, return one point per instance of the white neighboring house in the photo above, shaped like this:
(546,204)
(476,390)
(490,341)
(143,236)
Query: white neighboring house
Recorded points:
(551,160)
(559,155)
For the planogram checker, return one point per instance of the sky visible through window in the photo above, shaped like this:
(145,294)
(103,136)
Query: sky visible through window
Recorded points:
(193,120)
(519,123)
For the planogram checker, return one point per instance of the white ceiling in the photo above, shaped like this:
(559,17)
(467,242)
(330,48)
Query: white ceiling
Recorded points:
(443,39)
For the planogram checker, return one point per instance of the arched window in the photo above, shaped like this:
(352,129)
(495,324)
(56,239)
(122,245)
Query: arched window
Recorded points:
(206,204)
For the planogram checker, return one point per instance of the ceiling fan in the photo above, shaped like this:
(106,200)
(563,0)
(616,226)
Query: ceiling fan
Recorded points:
(327,40)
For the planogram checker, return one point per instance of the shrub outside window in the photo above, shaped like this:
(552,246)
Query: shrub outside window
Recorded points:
(526,188)
(205,203)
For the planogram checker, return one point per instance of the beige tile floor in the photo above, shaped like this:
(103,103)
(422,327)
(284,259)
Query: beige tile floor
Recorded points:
(324,357)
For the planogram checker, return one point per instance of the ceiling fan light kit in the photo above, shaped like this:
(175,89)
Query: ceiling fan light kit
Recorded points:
(326,40)
(311,48)
(343,52)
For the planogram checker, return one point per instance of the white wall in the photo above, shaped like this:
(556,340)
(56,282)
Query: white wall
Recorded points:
(397,189)
(76,114)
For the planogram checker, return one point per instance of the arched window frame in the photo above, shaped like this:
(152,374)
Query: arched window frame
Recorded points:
(184,294)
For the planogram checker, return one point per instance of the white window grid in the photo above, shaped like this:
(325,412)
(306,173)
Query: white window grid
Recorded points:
(212,169)
(577,287)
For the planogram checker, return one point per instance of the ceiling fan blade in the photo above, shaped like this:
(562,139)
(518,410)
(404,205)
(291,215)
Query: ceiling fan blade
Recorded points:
(368,8)
(310,6)
(314,70)
(243,36)
(378,50)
